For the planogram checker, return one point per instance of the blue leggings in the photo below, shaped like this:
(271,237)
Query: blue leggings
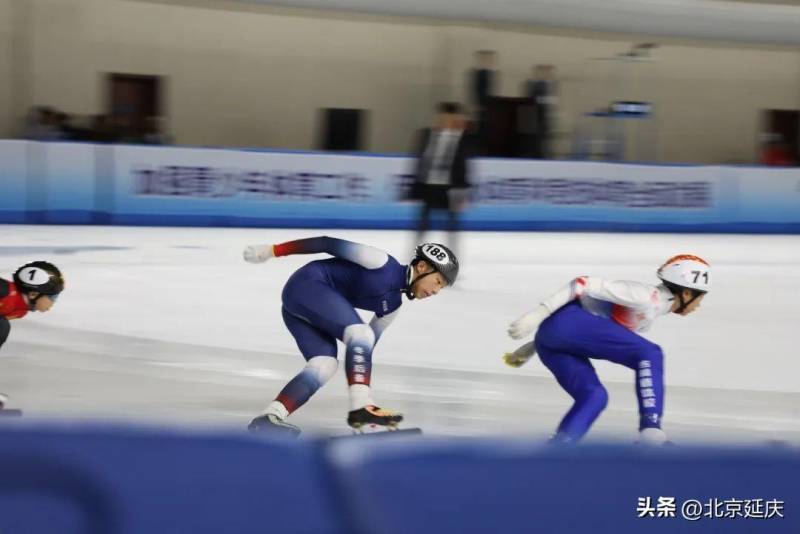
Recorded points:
(565,343)
(316,316)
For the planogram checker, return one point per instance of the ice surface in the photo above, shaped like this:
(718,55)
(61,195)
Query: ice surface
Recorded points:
(169,325)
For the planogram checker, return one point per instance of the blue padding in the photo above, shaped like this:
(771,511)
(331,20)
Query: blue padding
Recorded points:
(480,487)
(136,481)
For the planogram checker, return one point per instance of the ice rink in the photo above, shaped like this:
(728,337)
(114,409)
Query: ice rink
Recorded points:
(170,326)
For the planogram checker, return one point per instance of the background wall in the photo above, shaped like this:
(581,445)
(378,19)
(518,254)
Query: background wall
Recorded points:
(242,75)
(6,111)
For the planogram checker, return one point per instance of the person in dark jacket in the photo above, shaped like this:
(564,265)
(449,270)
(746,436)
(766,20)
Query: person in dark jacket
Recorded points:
(441,179)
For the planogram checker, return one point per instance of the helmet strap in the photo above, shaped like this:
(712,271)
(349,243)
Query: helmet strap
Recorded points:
(32,300)
(685,303)
(411,280)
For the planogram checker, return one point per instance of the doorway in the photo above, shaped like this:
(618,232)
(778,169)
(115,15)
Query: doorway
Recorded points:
(133,100)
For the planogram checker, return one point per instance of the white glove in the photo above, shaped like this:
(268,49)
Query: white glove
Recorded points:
(3,400)
(652,436)
(528,323)
(520,357)
(258,253)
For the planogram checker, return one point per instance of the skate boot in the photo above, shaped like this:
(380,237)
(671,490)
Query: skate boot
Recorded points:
(372,416)
(272,423)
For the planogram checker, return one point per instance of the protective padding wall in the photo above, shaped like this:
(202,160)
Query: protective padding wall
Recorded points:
(72,183)
(124,480)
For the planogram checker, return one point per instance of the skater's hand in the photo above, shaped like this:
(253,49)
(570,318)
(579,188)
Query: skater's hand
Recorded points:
(513,359)
(528,323)
(3,400)
(258,253)
(519,357)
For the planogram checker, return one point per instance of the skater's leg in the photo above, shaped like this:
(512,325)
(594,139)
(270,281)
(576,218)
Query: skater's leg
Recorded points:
(320,305)
(360,339)
(329,312)
(578,378)
(576,331)
(5,328)
(319,350)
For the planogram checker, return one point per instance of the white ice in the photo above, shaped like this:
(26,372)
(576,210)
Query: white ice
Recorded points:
(169,325)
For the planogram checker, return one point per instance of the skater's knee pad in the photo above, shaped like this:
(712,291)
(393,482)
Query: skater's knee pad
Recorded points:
(359,334)
(322,368)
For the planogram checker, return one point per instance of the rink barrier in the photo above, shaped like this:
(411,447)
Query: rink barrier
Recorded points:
(129,480)
(76,183)
(141,480)
(480,486)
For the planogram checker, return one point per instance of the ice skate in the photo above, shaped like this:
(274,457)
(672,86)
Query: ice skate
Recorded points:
(272,423)
(4,410)
(371,417)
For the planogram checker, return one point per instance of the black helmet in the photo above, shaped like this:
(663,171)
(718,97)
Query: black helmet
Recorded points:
(40,276)
(440,258)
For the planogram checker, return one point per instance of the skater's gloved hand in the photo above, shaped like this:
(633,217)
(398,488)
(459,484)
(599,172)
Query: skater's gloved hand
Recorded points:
(3,400)
(528,323)
(258,253)
(519,357)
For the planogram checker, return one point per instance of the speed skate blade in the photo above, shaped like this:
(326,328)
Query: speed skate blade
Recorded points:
(383,433)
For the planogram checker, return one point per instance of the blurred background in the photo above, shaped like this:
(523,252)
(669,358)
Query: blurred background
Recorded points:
(144,143)
(711,82)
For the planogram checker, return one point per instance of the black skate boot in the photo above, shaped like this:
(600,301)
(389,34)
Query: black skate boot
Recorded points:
(271,423)
(373,416)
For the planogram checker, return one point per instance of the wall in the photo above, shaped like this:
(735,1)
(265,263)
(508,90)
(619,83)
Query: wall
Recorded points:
(707,95)
(118,184)
(6,49)
(242,75)
(238,78)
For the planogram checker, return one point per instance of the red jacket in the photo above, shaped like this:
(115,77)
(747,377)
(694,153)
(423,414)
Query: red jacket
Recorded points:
(12,304)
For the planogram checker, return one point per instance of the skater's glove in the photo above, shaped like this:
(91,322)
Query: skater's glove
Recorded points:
(528,323)
(3,400)
(514,360)
(519,357)
(258,253)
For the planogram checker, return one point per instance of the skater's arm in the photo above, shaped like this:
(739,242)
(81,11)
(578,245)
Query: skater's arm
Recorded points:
(364,255)
(5,288)
(379,324)
(521,355)
(625,293)
(616,292)
(527,323)
(622,292)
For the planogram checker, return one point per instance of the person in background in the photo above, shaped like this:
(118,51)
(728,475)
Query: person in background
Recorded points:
(482,85)
(154,132)
(776,152)
(542,90)
(441,180)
